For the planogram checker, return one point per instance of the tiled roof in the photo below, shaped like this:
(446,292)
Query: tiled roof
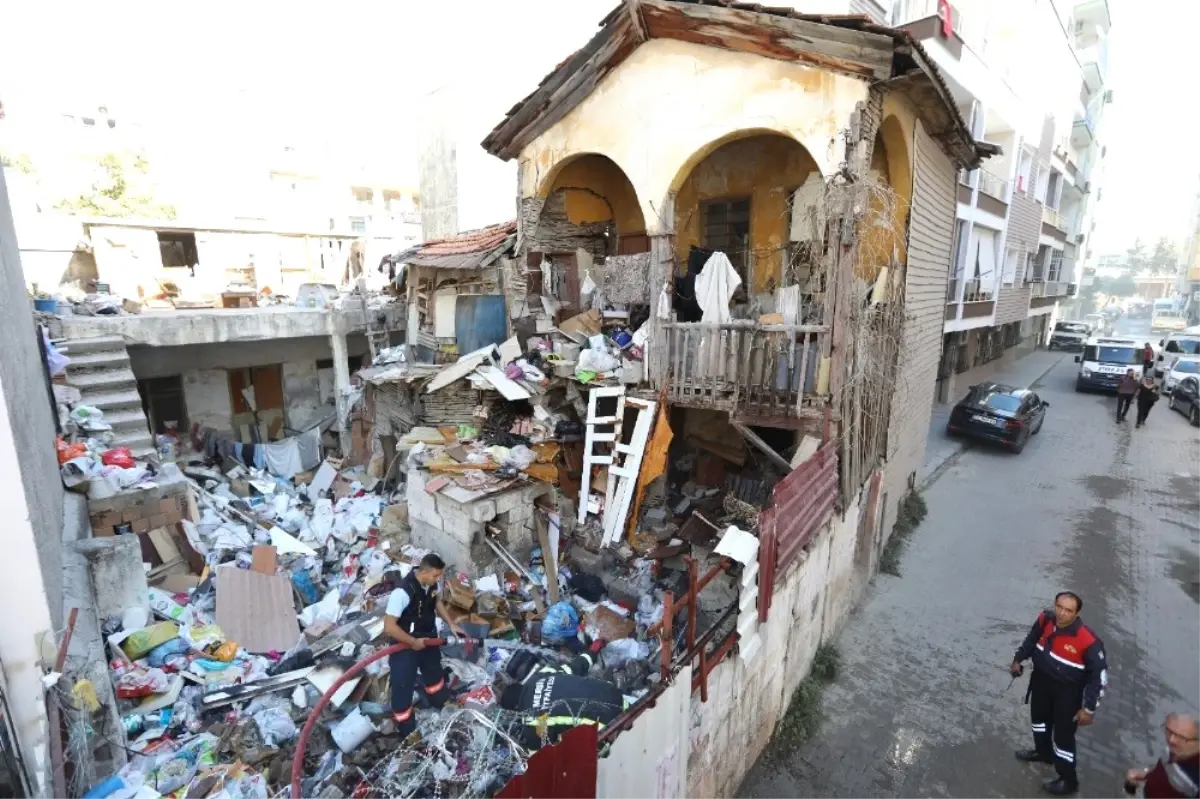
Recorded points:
(471,250)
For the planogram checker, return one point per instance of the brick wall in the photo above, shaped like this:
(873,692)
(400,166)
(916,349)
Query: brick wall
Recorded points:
(141,515)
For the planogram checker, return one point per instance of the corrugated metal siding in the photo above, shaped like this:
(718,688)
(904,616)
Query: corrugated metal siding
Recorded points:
(930,238)
(650,758)
(1024,227)
(566,770)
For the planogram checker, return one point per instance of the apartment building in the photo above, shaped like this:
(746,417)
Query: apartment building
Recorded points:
(1030,77)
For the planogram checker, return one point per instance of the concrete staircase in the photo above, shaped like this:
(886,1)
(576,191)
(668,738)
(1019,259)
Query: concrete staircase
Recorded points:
(100,369)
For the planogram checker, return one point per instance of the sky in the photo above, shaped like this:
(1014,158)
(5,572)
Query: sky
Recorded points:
(230,76)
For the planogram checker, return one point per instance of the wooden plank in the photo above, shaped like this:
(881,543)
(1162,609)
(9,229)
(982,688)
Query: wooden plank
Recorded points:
(542,525)
(256,610)
(763,446)
(264,559)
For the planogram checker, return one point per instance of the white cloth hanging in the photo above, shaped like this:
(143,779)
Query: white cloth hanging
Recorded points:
(715,285)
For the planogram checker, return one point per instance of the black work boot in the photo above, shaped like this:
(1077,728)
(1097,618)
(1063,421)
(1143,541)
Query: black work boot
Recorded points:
(1033,756)
(1060,787)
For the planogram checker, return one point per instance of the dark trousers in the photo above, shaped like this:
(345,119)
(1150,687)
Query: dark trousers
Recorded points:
(1052,709)
(1123,403)
(404,667)
(1142,412)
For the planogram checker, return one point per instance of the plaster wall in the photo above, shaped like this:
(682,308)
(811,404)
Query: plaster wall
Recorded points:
(689,100)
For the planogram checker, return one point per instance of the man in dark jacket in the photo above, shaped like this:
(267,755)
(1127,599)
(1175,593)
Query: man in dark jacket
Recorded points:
(1179,776)
(1069,677)
(410,619)
(1146,397)
(553,699)
(1125,392)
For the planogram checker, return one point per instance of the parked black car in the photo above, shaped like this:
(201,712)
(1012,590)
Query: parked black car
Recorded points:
(1186,399)
(999,413)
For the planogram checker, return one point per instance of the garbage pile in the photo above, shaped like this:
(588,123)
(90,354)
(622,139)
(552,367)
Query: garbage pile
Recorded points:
(216,681)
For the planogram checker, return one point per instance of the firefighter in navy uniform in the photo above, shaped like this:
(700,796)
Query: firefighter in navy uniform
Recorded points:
(409,619)
(556,698)
(1068,680)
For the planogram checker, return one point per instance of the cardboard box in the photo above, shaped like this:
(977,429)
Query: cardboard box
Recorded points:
(141,525)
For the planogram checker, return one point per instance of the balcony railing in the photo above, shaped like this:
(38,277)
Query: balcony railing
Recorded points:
(759,370)
(952,290)
(993,185)
(1037,289)
(975,291)
(966,177)
(1052,217)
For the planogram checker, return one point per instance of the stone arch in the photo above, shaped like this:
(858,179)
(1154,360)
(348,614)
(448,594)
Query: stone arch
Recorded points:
(595,190)
(758,165)
(890,165)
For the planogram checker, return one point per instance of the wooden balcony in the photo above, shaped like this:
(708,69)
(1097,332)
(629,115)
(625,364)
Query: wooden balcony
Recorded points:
(762,374)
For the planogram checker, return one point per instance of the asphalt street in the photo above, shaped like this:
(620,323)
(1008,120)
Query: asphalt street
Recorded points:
(922,706)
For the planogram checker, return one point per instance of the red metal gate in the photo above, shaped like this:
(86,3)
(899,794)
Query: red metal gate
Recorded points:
(801,503)
(566,770)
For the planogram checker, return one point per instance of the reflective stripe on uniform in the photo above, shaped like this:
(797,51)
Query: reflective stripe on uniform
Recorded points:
(402,716)
(1061,659)
(437,686)
(1065,755)
(561,721)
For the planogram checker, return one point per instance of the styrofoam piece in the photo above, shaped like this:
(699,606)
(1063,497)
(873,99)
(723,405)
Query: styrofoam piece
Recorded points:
(747,649)
(739,545)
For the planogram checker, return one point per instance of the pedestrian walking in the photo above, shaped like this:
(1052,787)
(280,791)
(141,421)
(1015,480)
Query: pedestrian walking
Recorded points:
(1068,681)
(410,619)
(1148,360)
(1179,775)
(1147,395)
(1125,392)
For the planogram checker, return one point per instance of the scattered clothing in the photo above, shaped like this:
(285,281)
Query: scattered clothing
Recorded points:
(283,458)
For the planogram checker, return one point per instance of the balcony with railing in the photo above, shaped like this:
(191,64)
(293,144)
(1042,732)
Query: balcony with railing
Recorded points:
(1052,217)
(751,370)
(1083,132)
(994,185)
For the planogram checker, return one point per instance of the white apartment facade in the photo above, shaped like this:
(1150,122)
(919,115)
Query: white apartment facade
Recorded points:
(1029,77)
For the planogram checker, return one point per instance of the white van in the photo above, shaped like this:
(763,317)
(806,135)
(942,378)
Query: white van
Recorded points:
(1104,361)
(1173,346)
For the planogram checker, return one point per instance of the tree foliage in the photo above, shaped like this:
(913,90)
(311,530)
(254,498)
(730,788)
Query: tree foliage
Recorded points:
(1120,286)
(122,188)
(1165,259)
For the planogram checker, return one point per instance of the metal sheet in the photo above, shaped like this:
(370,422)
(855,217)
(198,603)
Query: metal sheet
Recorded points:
(480,320)
(566,770)
(650,758)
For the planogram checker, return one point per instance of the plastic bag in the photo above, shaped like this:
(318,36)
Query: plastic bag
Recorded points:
(138,643)
(275,725)
(561,622)
(142,682)
(175,773)
(597,361)
(67,452)
(118,456)
(622,650)
(163,654)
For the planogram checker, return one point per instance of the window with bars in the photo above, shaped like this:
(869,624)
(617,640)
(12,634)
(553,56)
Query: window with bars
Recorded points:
(725,227)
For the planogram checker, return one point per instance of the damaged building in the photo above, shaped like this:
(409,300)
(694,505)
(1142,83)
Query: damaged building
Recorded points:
(661,422)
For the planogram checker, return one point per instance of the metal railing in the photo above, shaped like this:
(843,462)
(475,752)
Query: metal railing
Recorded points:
(1052,217)
(993,185)
(743,366)
(1037,290)
(952,290)
(966,177)
(974,291)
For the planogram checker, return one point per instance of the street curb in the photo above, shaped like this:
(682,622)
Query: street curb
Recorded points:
(965,445)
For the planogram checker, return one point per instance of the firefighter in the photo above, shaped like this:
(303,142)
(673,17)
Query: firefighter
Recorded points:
(1068,681)
(409,619)
(554,699)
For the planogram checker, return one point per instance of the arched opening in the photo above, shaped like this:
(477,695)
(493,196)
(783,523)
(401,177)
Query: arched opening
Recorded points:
(736,199)
(884,235)
(591,192)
